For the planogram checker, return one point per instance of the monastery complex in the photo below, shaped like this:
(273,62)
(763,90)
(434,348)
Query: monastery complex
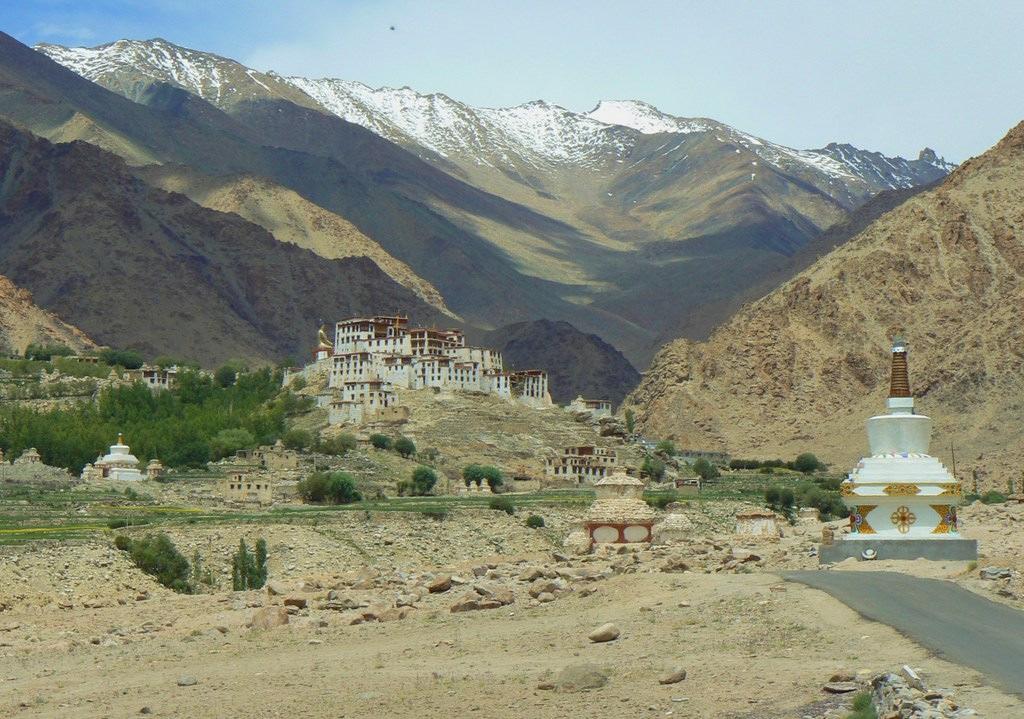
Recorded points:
(370,358)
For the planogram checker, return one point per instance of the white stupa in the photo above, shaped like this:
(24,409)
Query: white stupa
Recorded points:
(119,463)
(902,500)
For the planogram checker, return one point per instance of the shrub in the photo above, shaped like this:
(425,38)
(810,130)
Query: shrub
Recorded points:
(493,477)
(766,470)
(333,487)
(666,447)
(129,359)
(296,438)
(662,499)
(225,376)
(157,556)
(228,441)
(502,504)
(438,514)
(630,421)
(771,496)
(117,524)
(44,353)
(993,497)
(430,454)
(340,445)
(122,542)
(535,521)
(380,441)
(806,463)
(405,447)
(341,489)
(473,473)
(863,707)
(423,481)
(705,469)
(653,468)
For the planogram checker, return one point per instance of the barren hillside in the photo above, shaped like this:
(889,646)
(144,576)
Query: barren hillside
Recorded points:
(23,323)
(801,368)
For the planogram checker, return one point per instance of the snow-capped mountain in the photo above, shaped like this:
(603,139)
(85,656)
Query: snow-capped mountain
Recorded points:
(535,134)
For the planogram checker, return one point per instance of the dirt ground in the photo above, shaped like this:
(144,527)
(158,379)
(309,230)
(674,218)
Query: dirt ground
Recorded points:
(84,634)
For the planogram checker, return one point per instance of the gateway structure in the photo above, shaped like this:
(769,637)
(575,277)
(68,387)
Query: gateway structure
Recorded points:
(373,357)
(902,500)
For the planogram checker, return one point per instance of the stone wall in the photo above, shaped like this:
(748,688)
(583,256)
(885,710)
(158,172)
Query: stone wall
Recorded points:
(905,696)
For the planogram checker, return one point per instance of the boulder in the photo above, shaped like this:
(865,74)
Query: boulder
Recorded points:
(466,603)
(605,633)
(440,583)
(297,602)
(580,677)
(269,617)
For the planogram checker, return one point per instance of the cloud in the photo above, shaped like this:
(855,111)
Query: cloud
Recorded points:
(53,30)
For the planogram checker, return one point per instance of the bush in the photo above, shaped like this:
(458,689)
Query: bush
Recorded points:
(662,499)
(863,707)
(771,496)
(122,542)
(380,441)
(44,353)
(423,481)
(493,477)
(333,487)
(766,470)
(340,445)
(297,439)
(473,473)
(438,514)
(225,376)
(405,447)
(653,468)
(157,556)
(666,447)
(705,469)
(129,359)
(807,463)
(228,441)
(502,504)
(117,524)
(630,421)
(430,454)
(993,497)
(535,521)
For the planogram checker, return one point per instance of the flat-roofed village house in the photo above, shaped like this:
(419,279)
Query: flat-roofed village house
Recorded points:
(372,358)
(586,463)
(154,377)
(596,408)
(242,487)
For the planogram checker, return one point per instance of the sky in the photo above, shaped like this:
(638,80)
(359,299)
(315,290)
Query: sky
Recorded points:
(887,76)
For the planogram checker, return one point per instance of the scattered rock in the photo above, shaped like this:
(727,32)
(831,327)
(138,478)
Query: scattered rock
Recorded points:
(297,602)
(673,676)
(269,617)
(187,681)
(605,633)
(993,573)
(841,687)
(440,583)
(580,677)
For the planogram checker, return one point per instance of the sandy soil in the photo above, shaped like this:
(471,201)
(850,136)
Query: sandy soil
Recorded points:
(753,646)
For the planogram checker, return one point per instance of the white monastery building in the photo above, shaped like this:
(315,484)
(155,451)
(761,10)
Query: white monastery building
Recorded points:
(373,357)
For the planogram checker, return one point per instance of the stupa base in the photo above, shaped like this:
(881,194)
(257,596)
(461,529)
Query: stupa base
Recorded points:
(956,550)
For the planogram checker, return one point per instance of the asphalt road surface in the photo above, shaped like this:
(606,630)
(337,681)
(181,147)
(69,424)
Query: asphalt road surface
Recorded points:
(959,626)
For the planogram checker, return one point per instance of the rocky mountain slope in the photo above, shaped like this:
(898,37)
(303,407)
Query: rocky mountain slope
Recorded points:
(136,266)
(290,218)
(801,368)
(624,221)
(577,363)
(23,323)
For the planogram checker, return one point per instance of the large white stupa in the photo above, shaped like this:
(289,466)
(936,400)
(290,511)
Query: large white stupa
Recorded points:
(119,463)
(902,500)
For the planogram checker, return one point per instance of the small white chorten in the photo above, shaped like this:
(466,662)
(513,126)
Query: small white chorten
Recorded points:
(902,500)
(119,463)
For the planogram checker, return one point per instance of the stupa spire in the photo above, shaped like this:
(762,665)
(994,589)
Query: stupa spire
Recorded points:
(899,377)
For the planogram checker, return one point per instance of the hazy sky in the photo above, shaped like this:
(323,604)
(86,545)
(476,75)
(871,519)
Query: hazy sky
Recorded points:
(891,76)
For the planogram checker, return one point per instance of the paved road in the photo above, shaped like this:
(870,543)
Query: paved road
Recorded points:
(958,625)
